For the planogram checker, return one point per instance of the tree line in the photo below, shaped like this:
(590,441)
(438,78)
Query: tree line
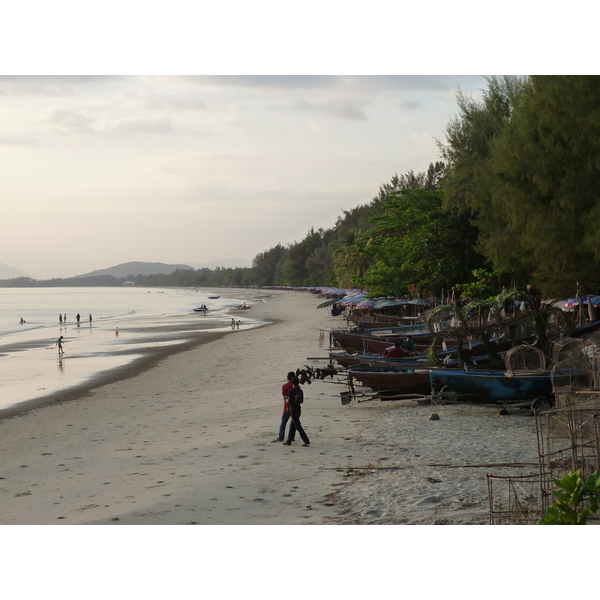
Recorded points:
(513,200)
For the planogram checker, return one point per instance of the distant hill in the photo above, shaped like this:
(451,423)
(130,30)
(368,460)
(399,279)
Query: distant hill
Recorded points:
(8,272)
(227,263)
(137,268)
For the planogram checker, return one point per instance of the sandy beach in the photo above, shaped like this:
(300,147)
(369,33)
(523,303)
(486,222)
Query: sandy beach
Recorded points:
(187,438)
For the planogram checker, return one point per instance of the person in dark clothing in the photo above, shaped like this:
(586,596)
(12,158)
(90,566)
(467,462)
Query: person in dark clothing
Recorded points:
(535,297)
(295,398)
(285,388)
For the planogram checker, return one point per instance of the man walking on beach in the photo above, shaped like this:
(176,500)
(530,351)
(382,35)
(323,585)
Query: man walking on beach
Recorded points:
(285,388)
(59,343)
(295,399)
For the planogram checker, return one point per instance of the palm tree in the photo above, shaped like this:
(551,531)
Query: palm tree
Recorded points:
(350,259)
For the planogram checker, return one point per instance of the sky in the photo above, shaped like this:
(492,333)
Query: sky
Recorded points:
(99,170)
(212,131)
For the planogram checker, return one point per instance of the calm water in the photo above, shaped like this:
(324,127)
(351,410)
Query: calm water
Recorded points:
(40,307)
(125,322)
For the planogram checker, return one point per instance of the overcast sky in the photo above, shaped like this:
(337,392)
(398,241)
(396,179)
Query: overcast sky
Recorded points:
(97,171)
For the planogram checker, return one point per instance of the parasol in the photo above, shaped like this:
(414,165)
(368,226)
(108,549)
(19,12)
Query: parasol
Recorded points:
(326,303)
(365,304)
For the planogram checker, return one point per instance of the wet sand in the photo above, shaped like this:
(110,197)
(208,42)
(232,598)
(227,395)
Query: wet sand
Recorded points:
(185,436)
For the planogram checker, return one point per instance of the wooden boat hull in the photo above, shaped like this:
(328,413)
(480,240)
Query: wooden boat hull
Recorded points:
(399,382)
(373,361)
(354,342)
(384,321)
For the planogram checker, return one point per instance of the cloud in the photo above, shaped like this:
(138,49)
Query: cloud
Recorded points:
(135,125)
(48,85)
(68,118)
(272,82)
(366,83)
(410,105)
(21,141)
(334,108)
(169,102)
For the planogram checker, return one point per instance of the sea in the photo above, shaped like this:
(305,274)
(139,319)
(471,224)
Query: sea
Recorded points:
(125,323)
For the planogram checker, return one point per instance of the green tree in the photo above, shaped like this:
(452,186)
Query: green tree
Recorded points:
(296,268)
(545,197)
(469,137)
(265,265)
(351,258)
(417,243)
(468,184)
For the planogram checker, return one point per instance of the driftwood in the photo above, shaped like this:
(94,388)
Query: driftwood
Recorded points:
(429,465)
(487,465)
(364,468)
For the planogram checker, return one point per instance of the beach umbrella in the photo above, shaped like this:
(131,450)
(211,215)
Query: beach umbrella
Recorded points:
(419,302)
(387,302)
(353,300)
(365,304)
(326,303)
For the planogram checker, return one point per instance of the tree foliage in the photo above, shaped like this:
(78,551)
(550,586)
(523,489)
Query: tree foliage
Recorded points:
(546,171)
(418,244)
(524,162)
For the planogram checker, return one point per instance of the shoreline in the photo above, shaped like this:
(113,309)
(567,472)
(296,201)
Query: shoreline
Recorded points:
(106,352)
(115,443)
(150,358)
(190,441)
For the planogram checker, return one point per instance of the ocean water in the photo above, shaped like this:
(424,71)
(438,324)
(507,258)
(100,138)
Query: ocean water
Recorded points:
(40,307)
(126,322)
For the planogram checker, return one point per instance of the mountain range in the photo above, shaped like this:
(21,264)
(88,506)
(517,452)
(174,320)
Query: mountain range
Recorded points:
(136,268)
(146,268)
(8,272)
(139,268)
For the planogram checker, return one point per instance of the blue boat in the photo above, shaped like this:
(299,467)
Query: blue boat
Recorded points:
(492,388)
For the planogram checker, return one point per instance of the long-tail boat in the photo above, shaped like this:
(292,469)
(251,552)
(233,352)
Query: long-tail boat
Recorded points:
(493,387)
(393,382)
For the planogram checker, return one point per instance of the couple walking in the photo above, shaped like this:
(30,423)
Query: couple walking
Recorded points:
(293,397)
